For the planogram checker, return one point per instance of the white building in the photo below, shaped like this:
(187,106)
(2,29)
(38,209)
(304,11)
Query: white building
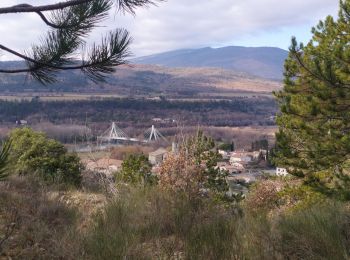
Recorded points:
(224,154)
(157,157)
(236,168)
(237,158)
(21,122)
(281,172)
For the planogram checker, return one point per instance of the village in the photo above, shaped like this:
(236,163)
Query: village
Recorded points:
(243,168)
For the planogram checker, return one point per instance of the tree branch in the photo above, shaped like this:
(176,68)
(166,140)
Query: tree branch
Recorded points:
(25,8)
(127,5)
(42,64)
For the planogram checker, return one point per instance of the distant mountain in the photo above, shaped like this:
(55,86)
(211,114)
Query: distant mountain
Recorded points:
(264,62)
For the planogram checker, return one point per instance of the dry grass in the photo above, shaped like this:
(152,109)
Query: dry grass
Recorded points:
(40,222)
(40,226)
(122,152)
(205,78)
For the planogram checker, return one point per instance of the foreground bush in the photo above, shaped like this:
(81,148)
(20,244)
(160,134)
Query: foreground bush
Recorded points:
(150,224)
(318,232)
(34,225)
(33,152)
(137,170)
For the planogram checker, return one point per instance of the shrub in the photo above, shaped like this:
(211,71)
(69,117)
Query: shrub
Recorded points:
(155,224)
(34,225)
(137,170)
(193,169)
(321,231)
(263,197)
(33,152)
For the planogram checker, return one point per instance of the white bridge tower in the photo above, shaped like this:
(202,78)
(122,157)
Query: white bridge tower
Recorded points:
(152,134)
(114,133)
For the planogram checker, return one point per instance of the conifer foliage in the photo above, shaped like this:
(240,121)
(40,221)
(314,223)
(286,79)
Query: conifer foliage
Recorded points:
(314,137)
(4,154)
(70,23)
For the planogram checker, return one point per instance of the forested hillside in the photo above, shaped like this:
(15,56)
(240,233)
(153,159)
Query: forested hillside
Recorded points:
(138,112)
(145,80)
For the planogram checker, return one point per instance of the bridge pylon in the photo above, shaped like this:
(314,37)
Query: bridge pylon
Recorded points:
(153,134)
(113,133)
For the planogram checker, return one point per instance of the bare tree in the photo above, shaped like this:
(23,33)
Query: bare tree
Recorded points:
(70,23)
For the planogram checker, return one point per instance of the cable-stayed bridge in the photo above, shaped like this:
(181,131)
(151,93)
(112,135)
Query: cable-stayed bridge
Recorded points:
(115,134)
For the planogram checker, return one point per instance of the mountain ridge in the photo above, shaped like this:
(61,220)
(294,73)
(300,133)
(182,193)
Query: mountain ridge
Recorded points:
(264,62)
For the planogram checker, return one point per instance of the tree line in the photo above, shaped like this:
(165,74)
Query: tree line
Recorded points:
(136,110)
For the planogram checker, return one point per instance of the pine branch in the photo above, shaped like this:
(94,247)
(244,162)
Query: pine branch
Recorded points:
(102,59)
(71,22)
(125,5)
(4,154)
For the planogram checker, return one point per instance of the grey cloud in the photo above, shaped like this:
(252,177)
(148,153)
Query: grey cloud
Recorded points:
(185,23)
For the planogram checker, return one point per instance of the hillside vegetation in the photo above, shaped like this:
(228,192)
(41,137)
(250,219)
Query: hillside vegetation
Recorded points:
(146,80)
(140,112)
(169,220)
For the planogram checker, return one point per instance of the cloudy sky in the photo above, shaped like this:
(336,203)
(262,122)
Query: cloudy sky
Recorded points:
(177,24)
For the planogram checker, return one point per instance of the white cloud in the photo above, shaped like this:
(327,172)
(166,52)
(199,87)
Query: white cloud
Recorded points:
(185,23)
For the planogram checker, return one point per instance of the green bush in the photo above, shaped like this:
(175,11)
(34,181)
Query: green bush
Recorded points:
(137,170)
(32,152)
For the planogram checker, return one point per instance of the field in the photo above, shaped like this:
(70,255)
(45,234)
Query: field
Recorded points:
(55,97)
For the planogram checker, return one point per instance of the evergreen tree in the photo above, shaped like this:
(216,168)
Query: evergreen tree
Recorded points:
(4,154)
(313,141)
(261,144)
(202,149)
(33,153)
(137,170)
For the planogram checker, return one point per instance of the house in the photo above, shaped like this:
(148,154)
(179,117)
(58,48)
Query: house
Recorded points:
(159,120)
(224,154)
(281,172)
(21,122)
(243,178)
(105,165)
(237,168)
(234,159)
(169,120)
(175,148)
(263,154)
(240,158)
(158,156)
(246,157)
